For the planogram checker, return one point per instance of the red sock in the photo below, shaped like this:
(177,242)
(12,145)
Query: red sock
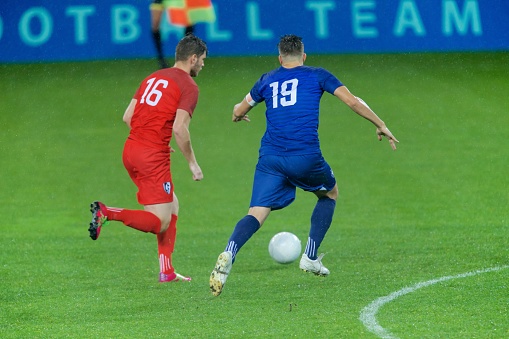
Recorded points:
(166,245)
(141,220)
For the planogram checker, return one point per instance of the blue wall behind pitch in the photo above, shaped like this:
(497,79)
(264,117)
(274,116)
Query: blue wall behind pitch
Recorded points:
(48,30)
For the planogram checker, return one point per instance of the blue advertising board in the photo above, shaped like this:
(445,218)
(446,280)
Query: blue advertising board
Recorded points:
(61,30)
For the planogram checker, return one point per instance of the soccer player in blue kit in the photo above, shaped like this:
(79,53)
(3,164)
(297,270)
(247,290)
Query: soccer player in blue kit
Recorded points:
(290,154)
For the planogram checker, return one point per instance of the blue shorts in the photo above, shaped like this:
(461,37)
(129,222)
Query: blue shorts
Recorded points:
(276,178)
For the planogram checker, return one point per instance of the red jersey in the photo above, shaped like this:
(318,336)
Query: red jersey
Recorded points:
(158,98)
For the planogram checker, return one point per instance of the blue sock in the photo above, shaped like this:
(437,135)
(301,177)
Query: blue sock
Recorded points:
(244,229)
(320,223)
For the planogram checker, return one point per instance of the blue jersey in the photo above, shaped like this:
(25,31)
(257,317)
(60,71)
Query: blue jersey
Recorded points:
(292,98)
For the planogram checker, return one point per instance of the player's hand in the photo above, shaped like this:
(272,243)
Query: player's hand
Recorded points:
(172,149)
(196,170)
(384,132)
(237,118)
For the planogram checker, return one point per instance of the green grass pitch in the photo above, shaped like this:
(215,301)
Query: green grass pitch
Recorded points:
(436,207)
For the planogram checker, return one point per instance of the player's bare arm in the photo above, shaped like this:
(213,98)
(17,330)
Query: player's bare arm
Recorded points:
(183,140)
(361,108)
(241,109)
(128,114)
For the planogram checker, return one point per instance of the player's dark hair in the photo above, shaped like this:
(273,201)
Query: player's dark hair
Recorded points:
(290,45)
(189,45)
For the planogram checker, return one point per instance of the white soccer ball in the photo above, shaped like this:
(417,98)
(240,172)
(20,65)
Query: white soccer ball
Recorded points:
(284,247)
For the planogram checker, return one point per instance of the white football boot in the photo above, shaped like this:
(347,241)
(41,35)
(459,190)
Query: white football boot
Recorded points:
(220,273)
(313,266)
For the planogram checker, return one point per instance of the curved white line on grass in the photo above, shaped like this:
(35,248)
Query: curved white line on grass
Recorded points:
(368,313)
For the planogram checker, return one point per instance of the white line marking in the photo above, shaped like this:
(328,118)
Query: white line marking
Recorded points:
(368,313)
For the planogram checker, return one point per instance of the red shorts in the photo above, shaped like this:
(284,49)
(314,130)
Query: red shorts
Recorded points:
(149,169)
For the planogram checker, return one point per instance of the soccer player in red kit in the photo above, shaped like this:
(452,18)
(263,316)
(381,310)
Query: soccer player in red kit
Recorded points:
(161,107)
